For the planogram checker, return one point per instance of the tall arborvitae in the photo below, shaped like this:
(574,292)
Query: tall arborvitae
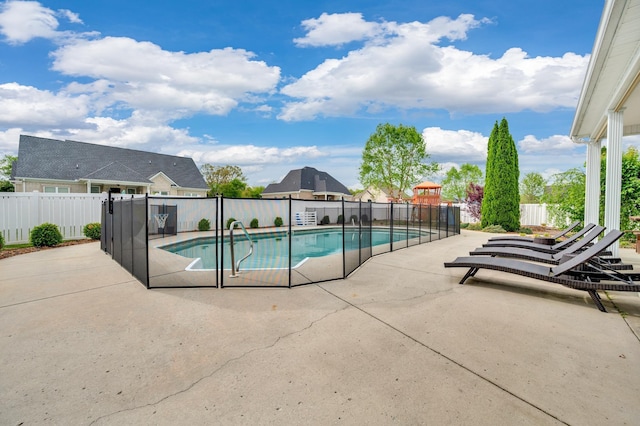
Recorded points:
(501,202)
(488,215)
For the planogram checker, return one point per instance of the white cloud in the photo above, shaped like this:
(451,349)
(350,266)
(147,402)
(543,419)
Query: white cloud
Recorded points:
(462,146)
(9,141)
(552,144)
(546,156)
(72,17)
(404,67)
(336,29)
(135,132)
(172,84)
(22,21)
(246,155)
(26,106)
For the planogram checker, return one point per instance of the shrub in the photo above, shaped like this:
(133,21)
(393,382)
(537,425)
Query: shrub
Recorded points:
(475,226)
(254,223)
(1,242)
(46,234)
(464,225)
(230,221)
(278,221)
(92,230)
(325,220)
(204,225)
(525,231)
(495,229)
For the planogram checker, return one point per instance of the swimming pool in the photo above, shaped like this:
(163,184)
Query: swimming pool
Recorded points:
(271,250)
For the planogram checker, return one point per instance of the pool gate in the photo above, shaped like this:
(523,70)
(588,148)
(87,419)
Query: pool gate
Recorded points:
(139,232)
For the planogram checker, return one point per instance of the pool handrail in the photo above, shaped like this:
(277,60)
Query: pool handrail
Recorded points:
(235,267)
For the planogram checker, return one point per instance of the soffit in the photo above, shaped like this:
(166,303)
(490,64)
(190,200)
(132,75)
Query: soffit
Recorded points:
(612,80)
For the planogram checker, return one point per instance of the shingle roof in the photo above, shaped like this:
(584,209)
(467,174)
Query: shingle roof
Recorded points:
(116,171)
(41,158)
(307,178)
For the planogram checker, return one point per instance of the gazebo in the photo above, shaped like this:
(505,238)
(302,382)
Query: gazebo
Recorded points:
(609,105)
(426,193)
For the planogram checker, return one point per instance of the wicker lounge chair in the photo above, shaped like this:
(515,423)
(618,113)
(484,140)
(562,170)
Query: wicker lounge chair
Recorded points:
(530,239)
(578,271)
(542,247)
(554,258)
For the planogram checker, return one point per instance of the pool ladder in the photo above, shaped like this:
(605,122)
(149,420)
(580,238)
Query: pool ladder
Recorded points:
(235,267)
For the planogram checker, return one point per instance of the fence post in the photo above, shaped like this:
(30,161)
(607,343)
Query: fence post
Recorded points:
(221,218)
(359,232)
(447,219)
(290,237)
(146,232)
(344,256)
(407,227)
(419,222)
(215,226)
(391,227)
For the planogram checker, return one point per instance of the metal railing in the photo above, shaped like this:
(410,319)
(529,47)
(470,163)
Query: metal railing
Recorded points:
(235,267)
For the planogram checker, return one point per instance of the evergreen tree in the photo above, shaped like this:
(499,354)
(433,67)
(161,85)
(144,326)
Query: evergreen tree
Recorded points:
(488,213)
(501,202)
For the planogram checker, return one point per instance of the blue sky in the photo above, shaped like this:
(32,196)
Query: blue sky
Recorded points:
(275,86)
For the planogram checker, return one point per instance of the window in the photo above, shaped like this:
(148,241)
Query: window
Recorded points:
(57,189)
(95,189)
(190,194)
(131,190)
(160,192)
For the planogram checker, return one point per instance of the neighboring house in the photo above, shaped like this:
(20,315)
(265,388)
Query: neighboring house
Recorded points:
(49,165)
(307,184)
(376,195)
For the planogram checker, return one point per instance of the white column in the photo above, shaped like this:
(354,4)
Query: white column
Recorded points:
(614,174)
(592,184)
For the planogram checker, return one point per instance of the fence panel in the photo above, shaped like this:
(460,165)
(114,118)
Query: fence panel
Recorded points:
(352,237)
(196,265)
(284,256)
(530,214)
(318,252)
(140,237)
(21,212)
(269,245)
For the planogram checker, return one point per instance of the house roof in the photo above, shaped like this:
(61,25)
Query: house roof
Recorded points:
(427,185)
(309,179)
(378,193)
(612,82)
(40,158)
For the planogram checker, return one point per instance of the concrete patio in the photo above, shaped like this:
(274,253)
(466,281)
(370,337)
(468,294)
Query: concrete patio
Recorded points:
(399,341)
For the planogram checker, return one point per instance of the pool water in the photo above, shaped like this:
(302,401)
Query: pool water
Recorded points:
(271,251)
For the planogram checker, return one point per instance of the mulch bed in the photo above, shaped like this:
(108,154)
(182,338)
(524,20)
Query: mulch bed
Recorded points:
(4,253)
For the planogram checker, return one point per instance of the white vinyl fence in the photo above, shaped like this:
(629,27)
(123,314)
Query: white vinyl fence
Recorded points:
(530,214)
(21,212)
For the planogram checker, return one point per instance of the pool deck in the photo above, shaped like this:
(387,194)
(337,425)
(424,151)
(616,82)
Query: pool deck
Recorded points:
(399,341)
